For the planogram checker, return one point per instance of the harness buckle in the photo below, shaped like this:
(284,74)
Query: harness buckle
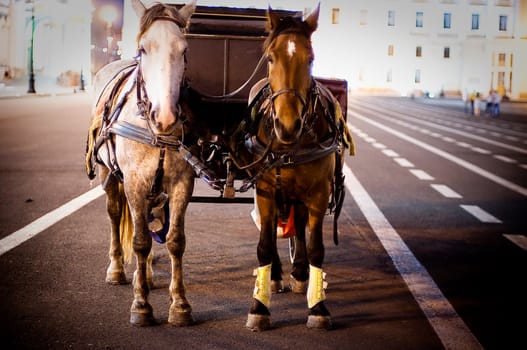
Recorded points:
(287,160)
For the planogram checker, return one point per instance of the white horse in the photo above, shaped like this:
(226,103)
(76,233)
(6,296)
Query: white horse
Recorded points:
(139,122)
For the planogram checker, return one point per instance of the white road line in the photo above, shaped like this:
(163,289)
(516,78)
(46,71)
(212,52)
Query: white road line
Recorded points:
(446,191)
(421,174)
(449,327)
(25,233)
(390,153)
(405,163)
(480,214)
(519,240)
(481,150)
(504,158)
(379,145)
(455,131)
(463,144)
(469,166)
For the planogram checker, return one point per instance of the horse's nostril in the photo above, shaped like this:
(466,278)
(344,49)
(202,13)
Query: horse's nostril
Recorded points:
(153,115)
(298,125)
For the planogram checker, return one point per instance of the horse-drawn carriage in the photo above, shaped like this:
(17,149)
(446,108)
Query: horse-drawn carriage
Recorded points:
(221,94)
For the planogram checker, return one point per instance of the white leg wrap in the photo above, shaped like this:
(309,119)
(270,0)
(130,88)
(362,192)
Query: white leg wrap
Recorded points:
(262,286)
(315,288)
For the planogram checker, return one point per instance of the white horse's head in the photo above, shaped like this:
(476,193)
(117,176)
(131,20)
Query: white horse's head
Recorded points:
(161,47)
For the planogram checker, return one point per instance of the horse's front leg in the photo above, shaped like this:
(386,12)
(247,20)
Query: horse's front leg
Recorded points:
(114,205)
(141,312)
(259,317)
(180,312)
(319,316)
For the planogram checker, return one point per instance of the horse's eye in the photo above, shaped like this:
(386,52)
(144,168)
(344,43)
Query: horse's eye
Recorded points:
(270,59)
(141,50)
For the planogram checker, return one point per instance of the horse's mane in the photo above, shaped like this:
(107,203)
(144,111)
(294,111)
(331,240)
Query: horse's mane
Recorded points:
(157,11)
(285,25)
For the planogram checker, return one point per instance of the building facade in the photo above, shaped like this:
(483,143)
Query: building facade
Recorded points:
(61,38)
(436,47)
(402,47)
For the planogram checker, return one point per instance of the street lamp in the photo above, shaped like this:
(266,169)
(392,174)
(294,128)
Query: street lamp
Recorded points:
(31,88)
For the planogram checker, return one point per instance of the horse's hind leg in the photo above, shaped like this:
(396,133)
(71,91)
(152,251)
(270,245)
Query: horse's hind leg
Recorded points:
(115,273)
(300,272)
(277,285)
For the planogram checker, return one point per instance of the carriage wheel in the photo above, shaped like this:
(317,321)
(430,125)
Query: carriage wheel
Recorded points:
(292,248)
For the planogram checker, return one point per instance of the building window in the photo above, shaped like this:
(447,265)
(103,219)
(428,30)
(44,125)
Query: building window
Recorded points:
(503,23)
(501,80)
(475,21)
(335,16)
(418,51)
(389,76)
(390,50)
(419,19)
(501,59)
(446,52)
(363,17)
(417,78)
(391,18)
(447,20)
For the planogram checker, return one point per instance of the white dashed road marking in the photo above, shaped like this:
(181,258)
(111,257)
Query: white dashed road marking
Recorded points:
(519,240)
(421,174)
(446,191)
(481,214)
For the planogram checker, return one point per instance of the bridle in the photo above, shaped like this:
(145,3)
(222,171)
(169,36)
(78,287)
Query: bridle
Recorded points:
(143,103)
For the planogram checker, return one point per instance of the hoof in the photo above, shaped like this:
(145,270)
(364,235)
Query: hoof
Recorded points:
(297,287)
(180,319)
(319,322)
(142,319)
(258,323)
(115,278)
(278,287)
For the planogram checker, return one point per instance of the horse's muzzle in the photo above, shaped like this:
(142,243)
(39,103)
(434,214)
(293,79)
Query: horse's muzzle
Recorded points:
(287,134)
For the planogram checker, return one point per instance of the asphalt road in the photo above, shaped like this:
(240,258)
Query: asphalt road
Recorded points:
(427,256)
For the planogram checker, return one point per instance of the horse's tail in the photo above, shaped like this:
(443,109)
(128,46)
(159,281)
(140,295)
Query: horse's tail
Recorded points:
(126,228)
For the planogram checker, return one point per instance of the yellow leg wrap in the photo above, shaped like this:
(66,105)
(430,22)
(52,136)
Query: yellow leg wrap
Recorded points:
(262,286)
(315,288)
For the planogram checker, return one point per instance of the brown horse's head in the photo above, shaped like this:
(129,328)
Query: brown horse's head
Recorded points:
(290,56)
(161,47)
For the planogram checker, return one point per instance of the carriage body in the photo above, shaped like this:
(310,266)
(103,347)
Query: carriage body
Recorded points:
(225,49)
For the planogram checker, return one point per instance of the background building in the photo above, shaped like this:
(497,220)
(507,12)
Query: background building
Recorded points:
(402,47)
(425,46)
(61,38)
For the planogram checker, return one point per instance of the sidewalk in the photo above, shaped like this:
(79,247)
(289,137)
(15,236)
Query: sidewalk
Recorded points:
(44,86)
(515,111)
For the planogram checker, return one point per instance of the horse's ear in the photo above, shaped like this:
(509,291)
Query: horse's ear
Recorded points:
(312,19)
(187,10)
(138,7)
(273,19)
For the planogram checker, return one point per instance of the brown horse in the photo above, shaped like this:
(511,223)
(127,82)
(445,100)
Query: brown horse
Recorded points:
(139,121)
(297,149)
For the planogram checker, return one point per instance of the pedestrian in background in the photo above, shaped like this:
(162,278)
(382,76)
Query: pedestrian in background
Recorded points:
(496,99)
(489,106)
(477,106)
